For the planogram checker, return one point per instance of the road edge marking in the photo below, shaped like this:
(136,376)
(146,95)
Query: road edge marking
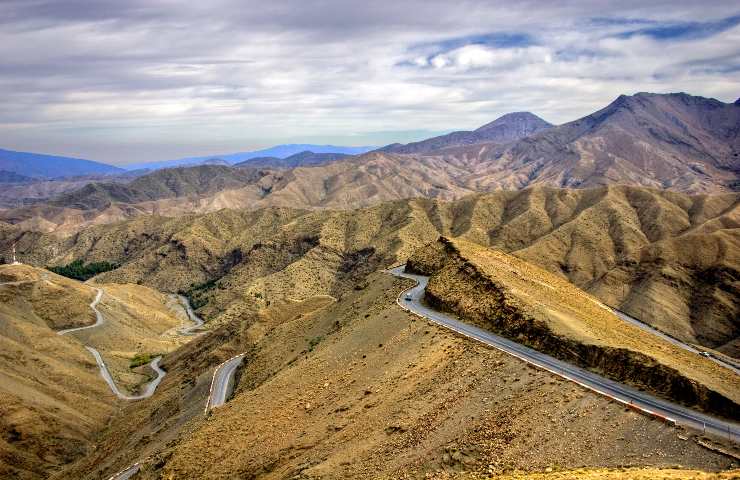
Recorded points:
(213,380)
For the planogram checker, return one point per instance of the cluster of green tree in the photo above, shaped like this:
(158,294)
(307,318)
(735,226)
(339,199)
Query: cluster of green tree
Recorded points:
(82,271)
(197,293)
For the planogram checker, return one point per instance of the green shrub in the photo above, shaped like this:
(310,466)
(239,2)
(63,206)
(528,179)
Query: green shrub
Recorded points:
(142,359)
(313,342)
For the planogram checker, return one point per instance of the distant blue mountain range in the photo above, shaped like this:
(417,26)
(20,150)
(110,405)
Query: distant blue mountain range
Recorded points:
(36,165)
(278,151)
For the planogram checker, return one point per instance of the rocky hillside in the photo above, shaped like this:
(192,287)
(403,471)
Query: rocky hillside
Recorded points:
(674,141)
(669,259)
(511,297)
(53,400)
(357,378)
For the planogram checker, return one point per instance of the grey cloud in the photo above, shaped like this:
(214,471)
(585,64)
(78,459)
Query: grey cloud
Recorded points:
(154,76)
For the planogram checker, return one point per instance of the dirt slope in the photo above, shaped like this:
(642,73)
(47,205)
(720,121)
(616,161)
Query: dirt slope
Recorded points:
(669,259)
(609,474)
(44,378)
(521,301)
(52,398)
(357,388)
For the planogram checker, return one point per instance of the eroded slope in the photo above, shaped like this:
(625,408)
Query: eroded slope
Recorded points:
(357,388)
(669,259)
(53,400)
(524,302)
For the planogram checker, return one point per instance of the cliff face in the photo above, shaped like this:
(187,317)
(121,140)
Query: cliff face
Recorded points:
(504,294)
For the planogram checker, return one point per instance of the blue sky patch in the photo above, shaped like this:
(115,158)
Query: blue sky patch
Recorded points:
(497,40)
(684,30)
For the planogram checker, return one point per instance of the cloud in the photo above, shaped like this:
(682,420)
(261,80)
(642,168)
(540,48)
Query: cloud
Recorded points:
(149,80)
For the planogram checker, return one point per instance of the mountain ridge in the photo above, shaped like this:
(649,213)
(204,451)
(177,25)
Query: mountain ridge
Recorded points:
(506,128)
(668,141)
(300,159)
(279,151)
(675,141)
(160,184)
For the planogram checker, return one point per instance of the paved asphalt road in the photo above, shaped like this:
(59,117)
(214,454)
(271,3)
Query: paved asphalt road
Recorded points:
(643,326)
(197,321)
(126,474)
(640,400)
(222,382)
(98,316)
(104,372)
(151,386)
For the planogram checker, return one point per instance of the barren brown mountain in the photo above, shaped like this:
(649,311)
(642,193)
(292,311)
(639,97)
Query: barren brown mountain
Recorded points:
(53,400)
(674,141)
(19,191)
(357,388)
(667,258)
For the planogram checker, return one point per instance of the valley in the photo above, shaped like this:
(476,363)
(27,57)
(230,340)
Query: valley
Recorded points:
(50,367)
(298,296)
(387,240)
(668,259)
(359,378)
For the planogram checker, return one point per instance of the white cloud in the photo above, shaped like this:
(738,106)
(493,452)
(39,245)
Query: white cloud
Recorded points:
(481,56)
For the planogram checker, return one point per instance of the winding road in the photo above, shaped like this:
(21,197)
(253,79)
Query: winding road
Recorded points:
(644,326)
(148,389)
(129,472)
(104,372)
(197,321)
(98,316)
(671,413)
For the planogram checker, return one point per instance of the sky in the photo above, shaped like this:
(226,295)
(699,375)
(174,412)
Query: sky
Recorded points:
(133,81)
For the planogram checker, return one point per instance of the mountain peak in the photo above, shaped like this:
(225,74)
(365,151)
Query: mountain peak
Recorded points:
(506,128)
(646,103)
(526,120)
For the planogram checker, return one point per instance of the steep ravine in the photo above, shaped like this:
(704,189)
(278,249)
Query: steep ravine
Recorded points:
(459,286)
